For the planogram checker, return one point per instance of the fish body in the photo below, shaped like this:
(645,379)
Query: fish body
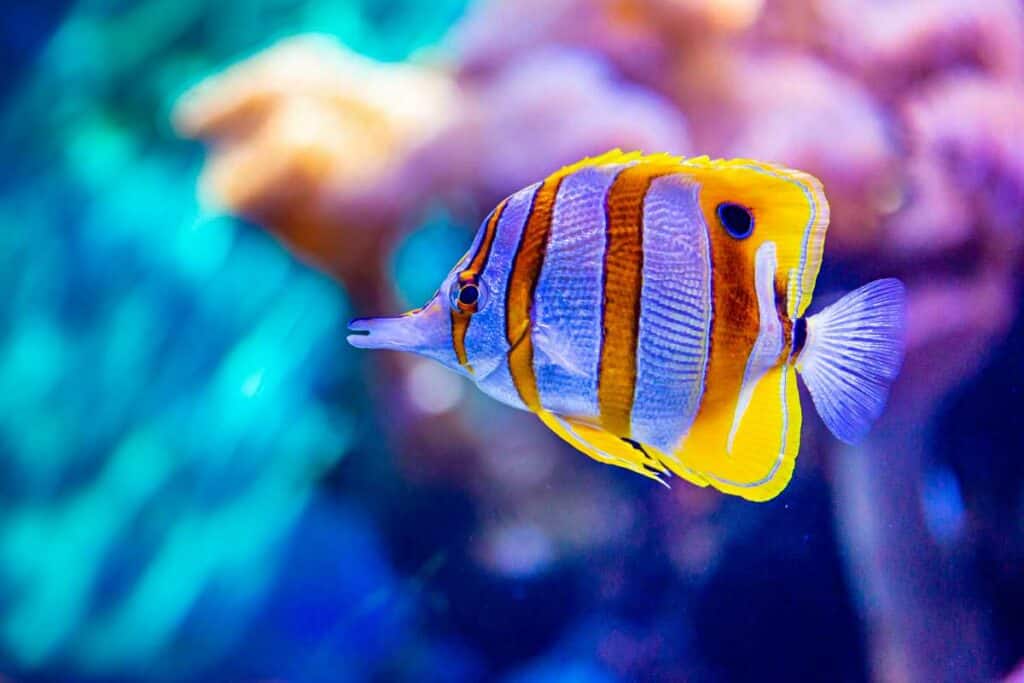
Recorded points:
(651,311)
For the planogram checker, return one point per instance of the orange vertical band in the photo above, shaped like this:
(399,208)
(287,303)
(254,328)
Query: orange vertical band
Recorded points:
(623,276)
(460,320)
(522,283)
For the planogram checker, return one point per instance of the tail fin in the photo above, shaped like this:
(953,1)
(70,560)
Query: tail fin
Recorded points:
(853,352)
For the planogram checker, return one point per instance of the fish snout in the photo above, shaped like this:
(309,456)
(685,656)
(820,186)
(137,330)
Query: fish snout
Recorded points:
(420,331)
(383,333)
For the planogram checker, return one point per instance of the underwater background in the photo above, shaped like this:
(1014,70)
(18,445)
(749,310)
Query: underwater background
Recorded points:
(200,480)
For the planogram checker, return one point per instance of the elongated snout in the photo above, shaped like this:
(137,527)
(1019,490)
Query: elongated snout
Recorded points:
(419,331)
(383,333)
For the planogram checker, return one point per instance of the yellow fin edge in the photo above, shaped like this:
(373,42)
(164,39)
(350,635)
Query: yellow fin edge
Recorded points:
(609,449)
(801,287)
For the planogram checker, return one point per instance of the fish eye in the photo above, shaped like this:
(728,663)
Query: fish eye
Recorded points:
(466,295)
(469,294)
(736,219)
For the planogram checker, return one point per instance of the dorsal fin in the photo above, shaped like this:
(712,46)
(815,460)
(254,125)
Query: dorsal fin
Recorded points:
(617,156)
(794,201)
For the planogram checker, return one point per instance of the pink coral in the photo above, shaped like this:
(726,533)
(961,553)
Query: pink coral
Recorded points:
(967,155)
(895,45)
(550,109)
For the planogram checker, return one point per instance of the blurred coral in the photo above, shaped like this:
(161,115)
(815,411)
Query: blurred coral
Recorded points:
(550,108)
(640,37)
(967,162)
(309,139)
(895,46)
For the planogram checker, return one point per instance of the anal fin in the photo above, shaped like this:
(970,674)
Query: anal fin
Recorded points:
(765,443)
(610,449)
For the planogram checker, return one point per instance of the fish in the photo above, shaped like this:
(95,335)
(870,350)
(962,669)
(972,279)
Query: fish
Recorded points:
(651,311)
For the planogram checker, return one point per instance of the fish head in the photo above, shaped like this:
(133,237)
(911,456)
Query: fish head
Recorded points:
(441,328)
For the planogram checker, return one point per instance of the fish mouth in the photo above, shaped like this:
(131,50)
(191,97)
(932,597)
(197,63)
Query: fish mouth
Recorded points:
(382,333)
(359,327)
(360,332)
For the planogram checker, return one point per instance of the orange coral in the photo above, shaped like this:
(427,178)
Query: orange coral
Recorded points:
(309,139)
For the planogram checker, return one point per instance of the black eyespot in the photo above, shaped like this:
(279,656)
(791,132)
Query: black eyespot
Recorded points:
(469,294)
(736,220)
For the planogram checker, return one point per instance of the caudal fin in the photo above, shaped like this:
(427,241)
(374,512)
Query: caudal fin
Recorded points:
(853,352)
